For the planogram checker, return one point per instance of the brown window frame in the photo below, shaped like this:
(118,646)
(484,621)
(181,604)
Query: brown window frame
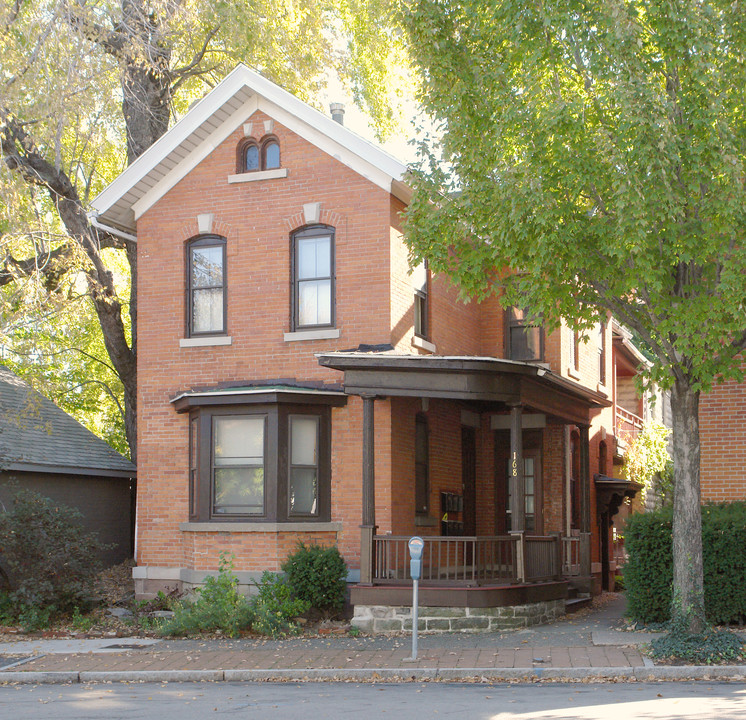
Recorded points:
(261,147)
(205,241)
(422,307)
(276,462)
(510,323)
(312,231)
(602,352)
(266,142)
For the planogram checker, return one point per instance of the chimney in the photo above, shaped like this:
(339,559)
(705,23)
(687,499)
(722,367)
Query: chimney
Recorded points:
(338,112)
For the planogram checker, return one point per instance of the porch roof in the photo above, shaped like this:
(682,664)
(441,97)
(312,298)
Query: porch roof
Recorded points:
(485,380)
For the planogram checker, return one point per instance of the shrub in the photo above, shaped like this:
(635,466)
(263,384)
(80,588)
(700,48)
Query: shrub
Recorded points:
(648,573)
(317,575)
(219,606)
(275,607)
(51,561)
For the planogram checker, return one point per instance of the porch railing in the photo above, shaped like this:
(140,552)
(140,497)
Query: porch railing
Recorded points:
(489,560)
(628,425)
(447,560)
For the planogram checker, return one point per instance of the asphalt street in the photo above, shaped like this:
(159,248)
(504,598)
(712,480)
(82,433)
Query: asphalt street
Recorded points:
(404,701)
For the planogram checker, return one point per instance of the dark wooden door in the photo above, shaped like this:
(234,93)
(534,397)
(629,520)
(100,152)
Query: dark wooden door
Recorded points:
(469,479)
(532,478)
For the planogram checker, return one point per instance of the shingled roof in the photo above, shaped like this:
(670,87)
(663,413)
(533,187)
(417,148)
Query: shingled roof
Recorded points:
(36,435)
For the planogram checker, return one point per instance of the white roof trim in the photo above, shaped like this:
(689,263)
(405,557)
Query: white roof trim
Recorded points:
(182,169)
(369,160)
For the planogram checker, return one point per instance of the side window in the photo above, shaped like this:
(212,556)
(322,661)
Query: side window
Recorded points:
(303,491)
(206,286)
(313,277)
(525,335)
(602,353)
(419,285)
(421,466)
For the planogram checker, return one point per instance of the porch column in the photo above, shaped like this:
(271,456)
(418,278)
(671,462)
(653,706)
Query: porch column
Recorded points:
(368,527)
(585,500)
(517,490)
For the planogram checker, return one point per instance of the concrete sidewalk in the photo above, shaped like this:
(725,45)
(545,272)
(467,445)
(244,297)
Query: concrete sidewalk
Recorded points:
(585,646)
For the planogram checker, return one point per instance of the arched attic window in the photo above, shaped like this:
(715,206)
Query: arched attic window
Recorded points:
(270,153)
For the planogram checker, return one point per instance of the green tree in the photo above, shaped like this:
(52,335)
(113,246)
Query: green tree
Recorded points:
(590,158)
(87,84)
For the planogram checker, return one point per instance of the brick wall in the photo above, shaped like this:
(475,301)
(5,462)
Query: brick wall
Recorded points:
(722,418)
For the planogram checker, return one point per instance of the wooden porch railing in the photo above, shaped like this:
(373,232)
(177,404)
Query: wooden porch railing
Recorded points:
(447,560)
(628,425)
(489,560)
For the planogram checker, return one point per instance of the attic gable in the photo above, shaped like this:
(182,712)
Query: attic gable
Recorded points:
(211,121)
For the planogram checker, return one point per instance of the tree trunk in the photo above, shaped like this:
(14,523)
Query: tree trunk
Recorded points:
(688,574)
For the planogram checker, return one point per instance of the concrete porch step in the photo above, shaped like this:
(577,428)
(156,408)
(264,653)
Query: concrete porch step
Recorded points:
(573,604)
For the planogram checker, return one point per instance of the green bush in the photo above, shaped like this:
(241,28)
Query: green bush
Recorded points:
(317,575)
(275,607)
(219,607)
(50,560)
(648,573)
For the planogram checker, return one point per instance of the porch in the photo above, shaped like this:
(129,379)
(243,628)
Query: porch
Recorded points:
(513,527)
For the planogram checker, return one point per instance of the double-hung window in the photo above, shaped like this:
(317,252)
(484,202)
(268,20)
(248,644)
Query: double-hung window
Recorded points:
(262,461)
(238,464)
(419,285)
(206,286)
(525,335)
(313,277)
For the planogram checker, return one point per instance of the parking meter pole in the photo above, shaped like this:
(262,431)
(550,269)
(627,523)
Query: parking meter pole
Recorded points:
(415,615)
(416,545)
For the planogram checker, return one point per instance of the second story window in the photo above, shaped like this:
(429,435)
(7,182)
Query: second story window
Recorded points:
(575,349)
(419,285)
(602,353)
(525,335)
(206,287)
(313,277)
(270,154)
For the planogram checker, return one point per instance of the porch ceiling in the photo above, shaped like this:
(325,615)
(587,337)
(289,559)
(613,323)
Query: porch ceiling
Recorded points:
(472,379)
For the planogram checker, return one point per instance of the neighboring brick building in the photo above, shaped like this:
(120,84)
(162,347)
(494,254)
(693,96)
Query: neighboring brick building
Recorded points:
(297,382)
(722,427)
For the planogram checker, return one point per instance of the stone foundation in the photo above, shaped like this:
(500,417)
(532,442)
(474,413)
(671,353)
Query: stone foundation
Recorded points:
(376,619)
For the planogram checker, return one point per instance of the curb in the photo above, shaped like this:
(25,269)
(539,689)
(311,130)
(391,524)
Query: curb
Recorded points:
(582,674)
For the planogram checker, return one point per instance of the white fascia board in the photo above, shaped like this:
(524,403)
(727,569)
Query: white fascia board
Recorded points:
(135,172)
(383,169)
(321,140)
(327,126)
(194,158)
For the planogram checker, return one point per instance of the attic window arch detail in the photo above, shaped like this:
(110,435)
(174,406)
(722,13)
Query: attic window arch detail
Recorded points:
(254,155)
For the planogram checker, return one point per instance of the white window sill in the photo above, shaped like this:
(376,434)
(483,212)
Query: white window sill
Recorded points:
(423,344)
(602,389)
(258,175)
(323,334)
(573,373)
(258,527)
(208,341)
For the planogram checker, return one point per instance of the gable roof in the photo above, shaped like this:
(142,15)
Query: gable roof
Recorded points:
(38,436)
(211,120)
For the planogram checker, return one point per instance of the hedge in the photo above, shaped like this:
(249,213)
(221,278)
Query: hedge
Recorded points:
(648,572)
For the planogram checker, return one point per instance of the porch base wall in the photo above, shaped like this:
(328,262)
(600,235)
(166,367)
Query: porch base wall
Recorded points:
(379,619)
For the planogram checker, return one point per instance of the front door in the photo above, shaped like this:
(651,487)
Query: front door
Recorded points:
(532,483)
(469,479)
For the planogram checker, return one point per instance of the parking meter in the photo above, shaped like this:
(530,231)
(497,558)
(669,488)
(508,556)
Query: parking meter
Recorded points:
(416,544)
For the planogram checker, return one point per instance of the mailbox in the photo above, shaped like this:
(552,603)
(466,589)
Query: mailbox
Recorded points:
(416,545)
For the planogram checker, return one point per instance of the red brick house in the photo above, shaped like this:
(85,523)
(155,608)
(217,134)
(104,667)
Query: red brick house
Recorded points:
(298,382)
